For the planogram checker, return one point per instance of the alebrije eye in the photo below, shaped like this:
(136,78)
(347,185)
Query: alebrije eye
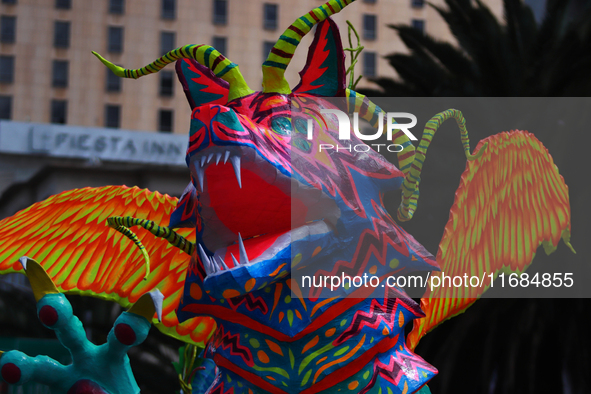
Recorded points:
(48,315)
(301,126)
(125,334)
(281,125)
(302,144)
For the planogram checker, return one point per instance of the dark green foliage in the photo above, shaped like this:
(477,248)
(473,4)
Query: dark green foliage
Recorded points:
(515,57)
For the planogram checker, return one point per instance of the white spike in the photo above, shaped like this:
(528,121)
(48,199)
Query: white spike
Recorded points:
(236,263)
(157,299)
(209,157)
(226,155)
(203,158)
(216,264)
(236,163)
(218,156)
(23,260)
(200,176)
(213,266)
(223,263)
(243,255)
(205,260)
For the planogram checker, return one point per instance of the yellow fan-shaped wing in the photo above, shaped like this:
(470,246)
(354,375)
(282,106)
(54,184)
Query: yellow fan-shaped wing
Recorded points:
(509,202)
(67,234)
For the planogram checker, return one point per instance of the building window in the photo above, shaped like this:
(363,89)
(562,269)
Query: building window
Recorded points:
(165,120)
(61,34)
(115,39)
(166,83)
(5,107)
(220,12)
(221,45)
(7,29)
(59,111)
(63,4)
(417,3)
(270,16)
(8,1)
(60,74)
(369,64)
(113,82)
(370,27)
(168,9)
(418,24)
(112,116)
(6,69)
(117,7)
(167,42)
(267,46)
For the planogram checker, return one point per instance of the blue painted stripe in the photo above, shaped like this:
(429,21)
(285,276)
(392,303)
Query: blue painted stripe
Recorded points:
(374,118)
(206,56)
(275,64)
(290,40)
(307,22)
(225,70)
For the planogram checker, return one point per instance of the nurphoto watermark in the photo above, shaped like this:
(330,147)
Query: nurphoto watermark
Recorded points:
(345,130)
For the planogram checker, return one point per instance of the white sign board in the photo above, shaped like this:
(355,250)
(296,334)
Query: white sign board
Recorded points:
(92,143)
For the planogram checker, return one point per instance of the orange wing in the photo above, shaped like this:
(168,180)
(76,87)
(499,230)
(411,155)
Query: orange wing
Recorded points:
(67,234)
(510,201)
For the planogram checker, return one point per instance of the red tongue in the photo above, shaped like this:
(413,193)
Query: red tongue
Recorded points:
(256,208)
(254,248)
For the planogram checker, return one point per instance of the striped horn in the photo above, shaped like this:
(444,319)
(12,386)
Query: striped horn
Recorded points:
(410,186)
(410,160)
(280,56)
(171,236)
(203,54)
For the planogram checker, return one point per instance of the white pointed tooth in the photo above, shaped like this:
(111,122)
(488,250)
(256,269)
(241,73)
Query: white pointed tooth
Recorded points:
(223,264)
(226,155)
(209,157)
(236,163)
(218,156)
(205,260)
(212,266)
(203,158)
(236,263)
(216,264)
(200,175)
(243,256)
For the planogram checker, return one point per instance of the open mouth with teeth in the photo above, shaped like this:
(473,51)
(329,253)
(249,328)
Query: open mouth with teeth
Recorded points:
(252,212)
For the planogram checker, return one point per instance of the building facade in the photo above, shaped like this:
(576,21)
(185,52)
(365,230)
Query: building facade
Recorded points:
(48,75)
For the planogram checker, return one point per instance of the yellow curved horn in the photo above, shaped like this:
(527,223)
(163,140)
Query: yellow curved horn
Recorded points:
(203,54)
(41,283)
(148,304)
(283,50)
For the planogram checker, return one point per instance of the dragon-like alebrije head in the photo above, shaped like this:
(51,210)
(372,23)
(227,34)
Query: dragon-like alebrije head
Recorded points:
(266,202)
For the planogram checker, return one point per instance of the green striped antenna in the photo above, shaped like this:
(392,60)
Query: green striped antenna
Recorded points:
(203,54)
(122,225)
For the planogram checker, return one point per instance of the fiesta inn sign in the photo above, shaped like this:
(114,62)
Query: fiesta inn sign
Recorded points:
(92,143)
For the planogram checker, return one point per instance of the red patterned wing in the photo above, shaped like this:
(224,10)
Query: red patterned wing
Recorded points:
(67,234)
(510,201)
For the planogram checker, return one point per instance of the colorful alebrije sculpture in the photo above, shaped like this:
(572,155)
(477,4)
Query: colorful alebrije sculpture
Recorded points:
(251,167)
(95,369)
